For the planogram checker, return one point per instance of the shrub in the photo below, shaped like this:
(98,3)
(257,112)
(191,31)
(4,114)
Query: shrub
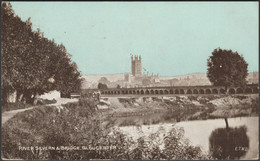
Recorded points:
(46,101)
(78,125)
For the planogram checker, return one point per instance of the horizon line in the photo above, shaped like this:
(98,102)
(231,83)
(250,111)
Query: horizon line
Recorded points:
(150,75)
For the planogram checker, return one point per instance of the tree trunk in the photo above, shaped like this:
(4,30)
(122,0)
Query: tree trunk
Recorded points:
(226,121)
(11,96)
(19,96)
(3,96)
(27,97)
(35,98)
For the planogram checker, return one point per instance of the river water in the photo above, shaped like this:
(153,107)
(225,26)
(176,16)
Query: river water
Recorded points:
(199,131)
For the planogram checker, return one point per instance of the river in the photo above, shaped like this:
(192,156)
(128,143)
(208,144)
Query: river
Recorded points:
(199,131)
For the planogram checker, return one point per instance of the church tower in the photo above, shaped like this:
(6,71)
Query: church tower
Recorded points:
(136,65)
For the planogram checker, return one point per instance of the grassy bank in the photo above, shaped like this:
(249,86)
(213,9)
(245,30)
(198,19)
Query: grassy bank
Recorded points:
(77,125)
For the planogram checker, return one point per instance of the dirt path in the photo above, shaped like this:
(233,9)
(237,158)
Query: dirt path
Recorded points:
(9,114)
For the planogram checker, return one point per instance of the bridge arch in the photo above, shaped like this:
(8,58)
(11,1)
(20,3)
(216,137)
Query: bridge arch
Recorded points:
(222,91)
(208,91)
(161,91)
(189,91)
(214,91)
(152,91)
(166,92)
(181,91)
(239,90)
(248,90)
(195,91)
(176,91)
(231,91)
(201,91)
(147,92)
(156,92)
(171,91)
(142,92)
(137,92)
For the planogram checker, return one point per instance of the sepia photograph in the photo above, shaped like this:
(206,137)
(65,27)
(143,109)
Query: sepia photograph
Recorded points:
(129,80)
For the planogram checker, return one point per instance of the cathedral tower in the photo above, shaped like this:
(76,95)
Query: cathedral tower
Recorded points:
(136,65)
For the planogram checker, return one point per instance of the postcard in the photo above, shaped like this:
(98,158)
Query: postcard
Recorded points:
(129,80)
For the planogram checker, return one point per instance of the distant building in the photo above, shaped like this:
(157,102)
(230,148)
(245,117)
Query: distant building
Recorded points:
(136,65)
(128,77)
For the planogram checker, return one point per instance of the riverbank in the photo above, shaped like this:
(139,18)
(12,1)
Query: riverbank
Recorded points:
(152,110)
(78,125)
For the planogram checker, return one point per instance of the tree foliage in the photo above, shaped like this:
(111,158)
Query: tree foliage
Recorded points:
(30,61)
(104,80)
(231,143)
(227,68)
(102,86)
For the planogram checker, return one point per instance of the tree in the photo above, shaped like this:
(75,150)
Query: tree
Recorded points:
(104,80)
(102,86)
(227,68)
(29,61)
(229,143)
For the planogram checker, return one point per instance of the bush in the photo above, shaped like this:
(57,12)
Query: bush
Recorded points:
(78,125)
(46,101)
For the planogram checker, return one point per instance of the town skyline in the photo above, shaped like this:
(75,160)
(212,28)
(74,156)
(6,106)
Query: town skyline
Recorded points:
(173,38)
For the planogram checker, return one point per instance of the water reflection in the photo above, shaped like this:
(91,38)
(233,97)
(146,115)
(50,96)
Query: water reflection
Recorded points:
(229,143)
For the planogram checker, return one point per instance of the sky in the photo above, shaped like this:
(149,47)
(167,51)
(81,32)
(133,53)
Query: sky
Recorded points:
(173,38)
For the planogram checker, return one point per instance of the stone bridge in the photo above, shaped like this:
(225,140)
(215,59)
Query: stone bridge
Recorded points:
(250,88)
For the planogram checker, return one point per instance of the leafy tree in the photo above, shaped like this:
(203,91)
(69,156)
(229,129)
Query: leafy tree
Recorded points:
(102,86)
(227,68)
(29,61)
(229,143)
(104,80)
